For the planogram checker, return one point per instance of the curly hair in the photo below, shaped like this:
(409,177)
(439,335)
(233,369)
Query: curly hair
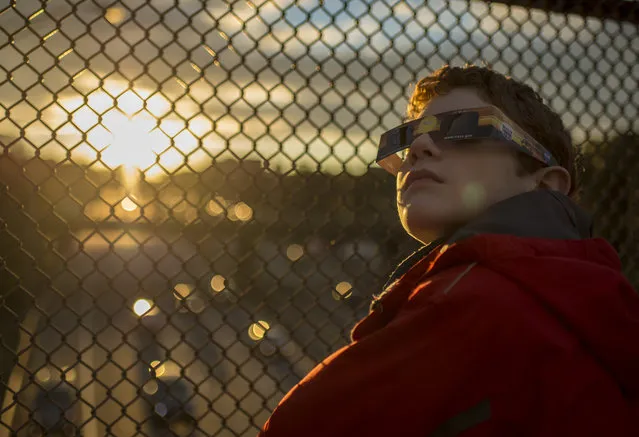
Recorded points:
(518,101)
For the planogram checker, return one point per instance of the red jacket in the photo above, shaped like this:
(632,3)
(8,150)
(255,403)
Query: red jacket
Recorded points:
(491,335)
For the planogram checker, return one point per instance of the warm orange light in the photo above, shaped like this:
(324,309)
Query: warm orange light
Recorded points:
(218,283)
(343,290)
(114,15)
(156,368)
(216,206)
(243,212)
(182,291)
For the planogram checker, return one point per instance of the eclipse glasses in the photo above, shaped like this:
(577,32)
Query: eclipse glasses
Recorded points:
(458,126)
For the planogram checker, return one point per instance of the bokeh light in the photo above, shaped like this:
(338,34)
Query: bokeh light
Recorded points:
(128,204)
(243,212)
(157,368)
(258,330)
(160,409)
(150,387)
(218,283)
(69,375)
(267,348)
(167,369)
(294,252)
(196,304)
(43,375)
(114,15)
(142,307)
(216,206)
(182,291)
(342,291)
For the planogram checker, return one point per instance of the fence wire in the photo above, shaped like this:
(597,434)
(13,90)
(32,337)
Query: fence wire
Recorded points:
(190,213)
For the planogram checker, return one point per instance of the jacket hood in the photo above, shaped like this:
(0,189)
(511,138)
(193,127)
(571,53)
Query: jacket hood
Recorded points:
(539,213)
(542,242)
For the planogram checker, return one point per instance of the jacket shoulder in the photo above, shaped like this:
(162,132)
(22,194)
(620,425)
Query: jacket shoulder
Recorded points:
(490,299)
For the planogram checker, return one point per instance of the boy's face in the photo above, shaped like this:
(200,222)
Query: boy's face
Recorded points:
(473,176)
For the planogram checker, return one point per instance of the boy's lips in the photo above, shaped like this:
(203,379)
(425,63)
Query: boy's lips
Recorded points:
(415,175)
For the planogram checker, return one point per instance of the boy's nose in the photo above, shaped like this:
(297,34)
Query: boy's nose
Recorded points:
(421,147)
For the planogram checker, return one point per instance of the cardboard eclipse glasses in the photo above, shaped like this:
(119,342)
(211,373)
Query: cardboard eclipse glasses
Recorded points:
(458,126)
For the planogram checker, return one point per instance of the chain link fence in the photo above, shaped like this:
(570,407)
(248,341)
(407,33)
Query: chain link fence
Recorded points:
(190,215)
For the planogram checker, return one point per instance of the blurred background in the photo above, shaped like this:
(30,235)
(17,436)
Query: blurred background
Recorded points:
(190,213)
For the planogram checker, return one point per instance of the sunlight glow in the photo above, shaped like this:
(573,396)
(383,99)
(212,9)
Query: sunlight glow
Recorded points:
(474,196)
(128,134)
(130,145)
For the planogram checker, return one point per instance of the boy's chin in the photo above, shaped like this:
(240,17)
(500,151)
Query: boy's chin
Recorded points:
(425,229)
(426,225)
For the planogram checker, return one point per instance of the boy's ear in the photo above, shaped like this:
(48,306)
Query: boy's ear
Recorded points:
(554,178)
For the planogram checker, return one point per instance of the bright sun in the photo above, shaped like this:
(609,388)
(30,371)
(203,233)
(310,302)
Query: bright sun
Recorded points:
(137,131)
(127,135)
(131,145)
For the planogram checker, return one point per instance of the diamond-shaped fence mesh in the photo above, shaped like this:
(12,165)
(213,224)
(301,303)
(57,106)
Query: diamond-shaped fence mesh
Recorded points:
(190,213)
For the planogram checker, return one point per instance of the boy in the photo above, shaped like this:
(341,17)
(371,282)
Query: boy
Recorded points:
(511,320)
